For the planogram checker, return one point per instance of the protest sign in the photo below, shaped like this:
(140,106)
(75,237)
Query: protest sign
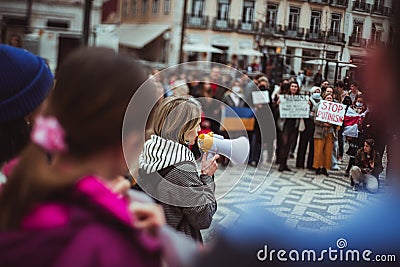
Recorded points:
(260,97)
(331,112)
(294,106)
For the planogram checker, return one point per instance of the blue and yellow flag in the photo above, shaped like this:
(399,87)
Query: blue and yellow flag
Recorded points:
(237,119)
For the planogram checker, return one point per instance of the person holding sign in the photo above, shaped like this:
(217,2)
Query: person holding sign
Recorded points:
(288,127)
(325,134)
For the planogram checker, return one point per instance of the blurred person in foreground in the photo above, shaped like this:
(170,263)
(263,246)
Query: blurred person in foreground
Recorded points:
(25,82)
(59,206)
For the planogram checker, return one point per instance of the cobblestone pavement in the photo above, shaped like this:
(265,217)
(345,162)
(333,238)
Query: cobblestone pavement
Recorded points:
(308,201)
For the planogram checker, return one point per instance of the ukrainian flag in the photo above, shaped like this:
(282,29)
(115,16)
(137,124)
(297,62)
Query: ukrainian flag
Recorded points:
(237,119)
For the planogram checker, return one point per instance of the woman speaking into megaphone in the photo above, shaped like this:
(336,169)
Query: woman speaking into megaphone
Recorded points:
(168,171)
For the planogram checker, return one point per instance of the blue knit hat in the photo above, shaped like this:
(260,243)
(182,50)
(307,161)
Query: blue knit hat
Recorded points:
(25,81)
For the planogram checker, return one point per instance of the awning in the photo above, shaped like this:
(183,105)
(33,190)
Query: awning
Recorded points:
(378,27)
(201,48)
(315,61)
(139,35)
(330,63)
(247,52)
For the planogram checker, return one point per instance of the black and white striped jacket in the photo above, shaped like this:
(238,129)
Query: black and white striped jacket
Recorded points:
(168,172)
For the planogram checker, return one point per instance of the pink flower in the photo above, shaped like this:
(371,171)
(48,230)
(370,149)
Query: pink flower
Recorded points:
(48,133)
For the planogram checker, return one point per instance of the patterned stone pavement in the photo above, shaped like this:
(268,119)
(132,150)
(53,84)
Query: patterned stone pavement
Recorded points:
(308,201)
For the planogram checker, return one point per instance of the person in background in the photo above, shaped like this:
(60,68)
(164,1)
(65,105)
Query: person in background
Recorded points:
(25,81)
(279,123)
(168,170)
(210,106)
(64,212)
(301,79)
(367,167)
(324,86)
(356,142)
(318,78)
(324,137)
(15,40)
(340,91)
(336,98)
(260,135)
(289,128)
(307,136)
(354,91)
(232,98)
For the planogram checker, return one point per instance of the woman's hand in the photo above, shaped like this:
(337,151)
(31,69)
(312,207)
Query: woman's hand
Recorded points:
(209,167)
(147,216)
(371,164)
(119,185)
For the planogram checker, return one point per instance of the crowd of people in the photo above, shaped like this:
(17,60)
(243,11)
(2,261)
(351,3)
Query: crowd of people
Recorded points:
(65,194)
(324,143)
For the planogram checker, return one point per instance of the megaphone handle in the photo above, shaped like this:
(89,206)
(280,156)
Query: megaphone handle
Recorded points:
(210,155)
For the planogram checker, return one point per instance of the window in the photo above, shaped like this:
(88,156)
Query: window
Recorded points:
(294,15)
(144,7)
(134,7)
(197,8)
(357,31)
(335,23)
(223,9)
(376,33)
(379,4)
(315,21)
(167,7)
(58,24)
(156,6)
(331,55)
(125,8)
(359,4)
(272,11)
(248,11)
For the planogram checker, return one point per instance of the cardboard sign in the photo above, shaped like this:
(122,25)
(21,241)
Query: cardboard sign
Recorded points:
(331,112)
(260,97)
(294,106)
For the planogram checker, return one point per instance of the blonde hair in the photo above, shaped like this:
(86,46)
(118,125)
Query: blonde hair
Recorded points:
(175,116)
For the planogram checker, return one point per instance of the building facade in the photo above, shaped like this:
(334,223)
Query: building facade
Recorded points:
(49,28)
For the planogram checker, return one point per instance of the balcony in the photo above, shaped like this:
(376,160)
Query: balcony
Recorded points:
(197,22)
(247,27)
(387,11)
(223,24)
(335,37)
(339,3)
(375,43)
(319,1)
(269,29)
(361,7)
(358,42)
(315,36)
(294,32)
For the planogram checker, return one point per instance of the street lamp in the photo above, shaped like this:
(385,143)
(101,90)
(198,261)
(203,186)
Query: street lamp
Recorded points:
(86,22)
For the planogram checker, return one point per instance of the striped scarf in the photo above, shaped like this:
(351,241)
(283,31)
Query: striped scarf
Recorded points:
(159,153)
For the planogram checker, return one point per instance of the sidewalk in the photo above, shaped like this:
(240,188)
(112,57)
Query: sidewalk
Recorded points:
(308,201)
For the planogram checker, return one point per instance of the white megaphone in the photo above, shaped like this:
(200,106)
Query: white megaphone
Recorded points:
(237,150)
